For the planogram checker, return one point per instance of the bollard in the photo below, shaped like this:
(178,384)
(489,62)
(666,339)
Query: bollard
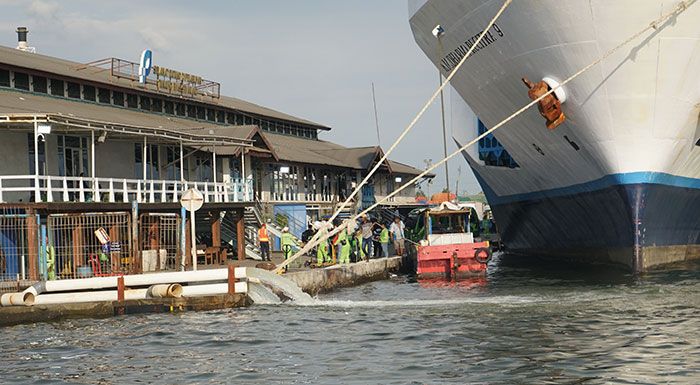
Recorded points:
(120,289)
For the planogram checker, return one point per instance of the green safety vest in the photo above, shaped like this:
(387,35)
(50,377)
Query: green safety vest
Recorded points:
(287,239)
(384,236)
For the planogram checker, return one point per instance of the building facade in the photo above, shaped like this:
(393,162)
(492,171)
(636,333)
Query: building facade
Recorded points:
(106,136)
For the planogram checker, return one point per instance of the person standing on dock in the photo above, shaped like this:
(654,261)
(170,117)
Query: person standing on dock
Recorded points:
(397,234)
(343,244)
(264,243)
(384,241)
(322,253)
(367,241)
(287,241)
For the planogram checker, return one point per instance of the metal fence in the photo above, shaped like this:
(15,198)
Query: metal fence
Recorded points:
(159,242)
(19,247)
(89,244)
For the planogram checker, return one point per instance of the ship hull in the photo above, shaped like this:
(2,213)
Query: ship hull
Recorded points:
(619,180)
(635,220)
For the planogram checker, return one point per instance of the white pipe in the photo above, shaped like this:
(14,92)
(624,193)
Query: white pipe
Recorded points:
(165,291)
(91,296)
(135,280)
(210,289)
(14,299)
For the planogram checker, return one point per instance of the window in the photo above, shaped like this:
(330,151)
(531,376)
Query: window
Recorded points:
(57,87)
(89,93)
(145,103)
(103,96)
(211,114)
(191,111)
(73,90)
(169,107)
(173,163)
(492,152)
(203,169)
(40,84)
(132,101)
(4,78)
(201,113)
(118,98)
(180,109)
(42,155)
(240,119)
(220,116)
(22,81)
(152,164)
(248,120)
(157,105)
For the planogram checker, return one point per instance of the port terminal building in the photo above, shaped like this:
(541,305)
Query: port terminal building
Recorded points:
(95,157)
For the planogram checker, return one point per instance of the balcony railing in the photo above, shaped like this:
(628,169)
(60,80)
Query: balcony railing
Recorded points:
(14,188)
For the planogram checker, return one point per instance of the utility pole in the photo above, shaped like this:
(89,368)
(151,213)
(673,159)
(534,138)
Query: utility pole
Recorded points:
(428,164)
(444,133)
(376,118)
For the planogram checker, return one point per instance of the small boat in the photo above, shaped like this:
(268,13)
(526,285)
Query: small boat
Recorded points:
(448,248)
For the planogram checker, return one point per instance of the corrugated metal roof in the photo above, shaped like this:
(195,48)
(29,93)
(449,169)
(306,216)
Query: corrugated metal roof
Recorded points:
(53,65)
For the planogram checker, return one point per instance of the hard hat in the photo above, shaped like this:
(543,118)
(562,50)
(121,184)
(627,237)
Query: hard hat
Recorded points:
(285,229)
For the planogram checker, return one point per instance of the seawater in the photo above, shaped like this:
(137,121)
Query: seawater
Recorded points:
(526,322)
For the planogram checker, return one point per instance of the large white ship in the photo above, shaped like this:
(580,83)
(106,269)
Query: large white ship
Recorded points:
(619,180)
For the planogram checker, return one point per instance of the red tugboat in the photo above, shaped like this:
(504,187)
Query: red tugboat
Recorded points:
(447,249)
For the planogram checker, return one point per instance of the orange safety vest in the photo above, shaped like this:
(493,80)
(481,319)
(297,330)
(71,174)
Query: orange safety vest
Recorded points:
(262,235)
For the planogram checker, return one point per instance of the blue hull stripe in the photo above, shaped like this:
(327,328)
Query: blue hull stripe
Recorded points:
(632,178)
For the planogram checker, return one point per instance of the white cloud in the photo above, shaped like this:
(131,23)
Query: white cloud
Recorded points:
(42,9)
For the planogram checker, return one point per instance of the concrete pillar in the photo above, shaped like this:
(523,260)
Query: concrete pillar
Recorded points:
(240,235)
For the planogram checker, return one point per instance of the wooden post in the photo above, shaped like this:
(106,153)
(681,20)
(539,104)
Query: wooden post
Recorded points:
(216,229)
(114,257)
(32,245)
(240,234)
(231,279)
(78,243)
(120,289)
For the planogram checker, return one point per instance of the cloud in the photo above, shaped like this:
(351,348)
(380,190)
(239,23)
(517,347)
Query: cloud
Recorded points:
(44,10)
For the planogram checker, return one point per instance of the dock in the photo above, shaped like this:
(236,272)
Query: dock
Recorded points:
(311,280)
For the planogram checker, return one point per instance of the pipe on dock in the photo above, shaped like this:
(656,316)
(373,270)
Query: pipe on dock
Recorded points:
(165,291)
(17,299)
(90,296)
(211,289)
(134,280)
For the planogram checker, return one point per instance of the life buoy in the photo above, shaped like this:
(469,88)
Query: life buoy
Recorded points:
(482,255)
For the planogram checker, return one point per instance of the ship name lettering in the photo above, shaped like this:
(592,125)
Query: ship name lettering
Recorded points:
(450,61)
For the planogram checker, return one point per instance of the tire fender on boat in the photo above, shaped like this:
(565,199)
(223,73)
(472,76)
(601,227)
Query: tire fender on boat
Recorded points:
(482,255)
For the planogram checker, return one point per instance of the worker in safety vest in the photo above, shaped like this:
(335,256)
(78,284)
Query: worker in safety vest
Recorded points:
(322,255)
(287,241)
(344,243)
(384,241)
(264,243)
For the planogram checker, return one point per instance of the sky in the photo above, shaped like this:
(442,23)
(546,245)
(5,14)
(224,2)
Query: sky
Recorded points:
(309,58)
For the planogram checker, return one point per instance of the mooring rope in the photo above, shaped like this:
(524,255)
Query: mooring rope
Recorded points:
(680,8)
(404,133)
